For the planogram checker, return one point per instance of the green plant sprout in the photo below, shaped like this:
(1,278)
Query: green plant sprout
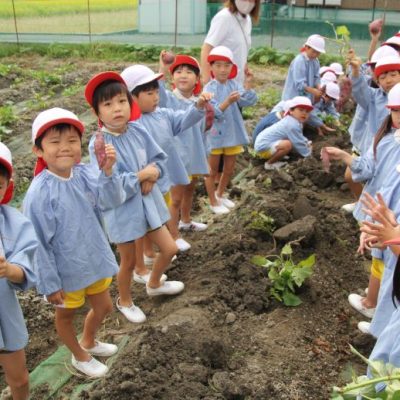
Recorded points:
(342,38)
(363,387)
(285,275)
(262,223)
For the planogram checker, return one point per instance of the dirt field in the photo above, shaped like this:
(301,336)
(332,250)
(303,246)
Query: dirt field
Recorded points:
(223,338)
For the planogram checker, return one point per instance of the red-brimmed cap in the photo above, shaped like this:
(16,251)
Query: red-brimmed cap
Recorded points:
(387,64)
(6,161)
(182,59)
(394,97)
(97,80)
(222,53)
(300,101)
(382,52)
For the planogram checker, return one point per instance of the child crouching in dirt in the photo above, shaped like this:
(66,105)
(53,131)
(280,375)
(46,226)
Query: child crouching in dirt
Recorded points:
(18,244)
(74,258)
(278,140)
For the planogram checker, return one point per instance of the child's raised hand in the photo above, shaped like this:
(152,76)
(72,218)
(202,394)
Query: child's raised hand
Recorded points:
(166,59)
(204,98)
(248,80)
(111,157)
(56,298)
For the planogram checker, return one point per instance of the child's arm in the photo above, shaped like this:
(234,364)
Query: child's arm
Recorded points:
(12,272)
(300,79)
(181,120)
(299,142)
(248,96)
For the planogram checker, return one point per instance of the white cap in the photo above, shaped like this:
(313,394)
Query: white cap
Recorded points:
(394,97)
(137,75)
(332,90)
(299,101)
(316,42)
(387,64)
(382,52)
(5,157)
(324,70)
(393,40)
(337,68)
(222,53)
(53,116)
(328,77)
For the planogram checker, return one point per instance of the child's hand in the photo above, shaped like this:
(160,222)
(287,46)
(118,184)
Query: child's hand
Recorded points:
(354,61)
(204,98)
(317,94)
(5,268)
(166,59)
(148,173)
(248,80)
(233,97)
(363,245)
(378,210)
(147,187)
(111,157)
(335,154)
(56,298)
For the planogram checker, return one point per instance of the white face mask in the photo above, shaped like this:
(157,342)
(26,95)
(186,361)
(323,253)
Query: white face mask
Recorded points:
(244,6)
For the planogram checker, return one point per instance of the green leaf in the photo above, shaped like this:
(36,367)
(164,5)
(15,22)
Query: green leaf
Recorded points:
(273,274)
(299,275)
(290,299)
(308,262)
(287,250)
(259,260)
(342,31)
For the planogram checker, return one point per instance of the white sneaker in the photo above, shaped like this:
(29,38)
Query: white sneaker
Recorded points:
(192,226)
(275,165)
(219,210)
(102,349)
(349,208)
(224,201)
(92,368)
(182,244)
(148,260)
(364,327)
(143,279)
(132,313)
(355,302)
(167,288)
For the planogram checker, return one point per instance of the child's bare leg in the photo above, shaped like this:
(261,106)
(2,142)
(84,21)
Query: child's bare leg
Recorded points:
(140,268)
(282,149)
(355,187)
(187,201)
(124,278)
(371,299)
(229,167)
(213,162)
(148,247)
(174,209)
(16,374)
(66,330)
(163,239)
(101,306)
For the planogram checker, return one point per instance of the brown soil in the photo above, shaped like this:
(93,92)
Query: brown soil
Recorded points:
(223,338)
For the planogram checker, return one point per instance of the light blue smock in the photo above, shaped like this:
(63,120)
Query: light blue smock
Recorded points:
(73,251)
(373,101)
(163,125)
(228,129)
(322,108)
(289,128)
(134,214)
(302,72)
(192,143)
(18,244)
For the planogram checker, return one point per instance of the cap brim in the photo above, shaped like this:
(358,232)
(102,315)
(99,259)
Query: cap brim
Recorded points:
(77,124)
(148,79)
(306,106)
(392,242)
(7,165)
(98,80)
(183,60)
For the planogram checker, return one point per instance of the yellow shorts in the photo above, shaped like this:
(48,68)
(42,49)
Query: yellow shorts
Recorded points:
(265,155)
(228,151)
(167,198)
(377,267)
(194,176)
(77,299)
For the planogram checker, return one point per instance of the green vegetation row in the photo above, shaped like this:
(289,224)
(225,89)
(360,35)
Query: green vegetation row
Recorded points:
(45,8)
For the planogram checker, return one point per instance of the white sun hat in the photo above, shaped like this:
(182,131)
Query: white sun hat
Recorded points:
(316,42)
(299,101)
(394,97)
(332,90)
(328,77)
(137,75)
(382,52)
(337,68)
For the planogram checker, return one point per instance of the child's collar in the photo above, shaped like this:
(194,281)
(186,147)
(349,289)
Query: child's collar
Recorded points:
(180,96)
(104,129)
(60,177)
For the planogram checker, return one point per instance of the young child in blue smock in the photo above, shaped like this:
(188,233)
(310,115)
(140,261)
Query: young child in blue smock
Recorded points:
(278,140)
(192,145)
(18,244)
(164,124)
(74,258)
(142,210)
(303,75)
(228,134)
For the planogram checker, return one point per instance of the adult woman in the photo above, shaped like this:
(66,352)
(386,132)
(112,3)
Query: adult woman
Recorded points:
(231,27)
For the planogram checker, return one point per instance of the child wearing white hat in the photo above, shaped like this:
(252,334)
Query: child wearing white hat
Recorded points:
(303,77)
(378,167)
(228,134)
(18,245)
(278,140)
(74,258)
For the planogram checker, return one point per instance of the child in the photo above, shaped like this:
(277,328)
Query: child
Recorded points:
(164,124)
(228,134)
(17,248)
(337,69)
(142,209)
(192,145)
(303,75)
(74,259)
(278,140)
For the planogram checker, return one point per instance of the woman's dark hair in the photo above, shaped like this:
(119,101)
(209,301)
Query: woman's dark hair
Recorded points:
(146,87)
(189,66)
(106,91)
(255,12)
(385,128)
(58,128)
(396,284)
(4,172)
